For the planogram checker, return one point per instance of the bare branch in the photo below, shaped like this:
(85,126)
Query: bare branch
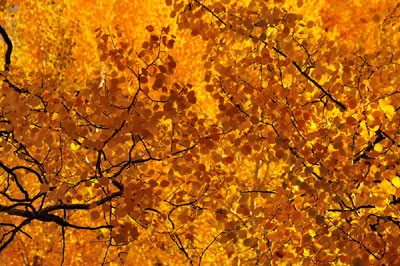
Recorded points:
(9,48)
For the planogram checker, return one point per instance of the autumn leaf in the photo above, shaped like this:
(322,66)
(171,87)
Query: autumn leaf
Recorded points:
(180,132)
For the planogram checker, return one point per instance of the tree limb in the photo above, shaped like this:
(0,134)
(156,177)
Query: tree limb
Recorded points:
(9,48)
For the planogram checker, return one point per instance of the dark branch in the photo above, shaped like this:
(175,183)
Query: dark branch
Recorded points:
(258,191)
(9,48)
(333,99)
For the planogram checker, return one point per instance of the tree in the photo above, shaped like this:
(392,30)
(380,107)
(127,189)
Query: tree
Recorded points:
(200,132)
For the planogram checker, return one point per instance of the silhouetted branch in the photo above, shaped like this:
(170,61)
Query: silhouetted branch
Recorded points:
(313,81)
(258,191)
(9,48)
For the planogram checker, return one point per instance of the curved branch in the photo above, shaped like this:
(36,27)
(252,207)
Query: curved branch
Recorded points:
(7,63)
(9,48)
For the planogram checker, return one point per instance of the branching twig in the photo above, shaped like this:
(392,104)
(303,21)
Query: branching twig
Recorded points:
(313,81)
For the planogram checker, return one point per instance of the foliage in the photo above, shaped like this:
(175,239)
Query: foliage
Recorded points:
(200,132)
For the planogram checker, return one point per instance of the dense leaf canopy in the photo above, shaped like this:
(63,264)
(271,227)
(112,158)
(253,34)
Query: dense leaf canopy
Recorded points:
(188,132)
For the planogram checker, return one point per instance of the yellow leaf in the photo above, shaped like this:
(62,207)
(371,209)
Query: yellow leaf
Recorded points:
(396,181)
(387,108)
(385,184)
(387,187)
(312,233)
(150,229)
(74,147)
(378,147)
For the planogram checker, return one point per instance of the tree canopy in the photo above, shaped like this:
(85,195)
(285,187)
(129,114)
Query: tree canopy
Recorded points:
(188,132)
